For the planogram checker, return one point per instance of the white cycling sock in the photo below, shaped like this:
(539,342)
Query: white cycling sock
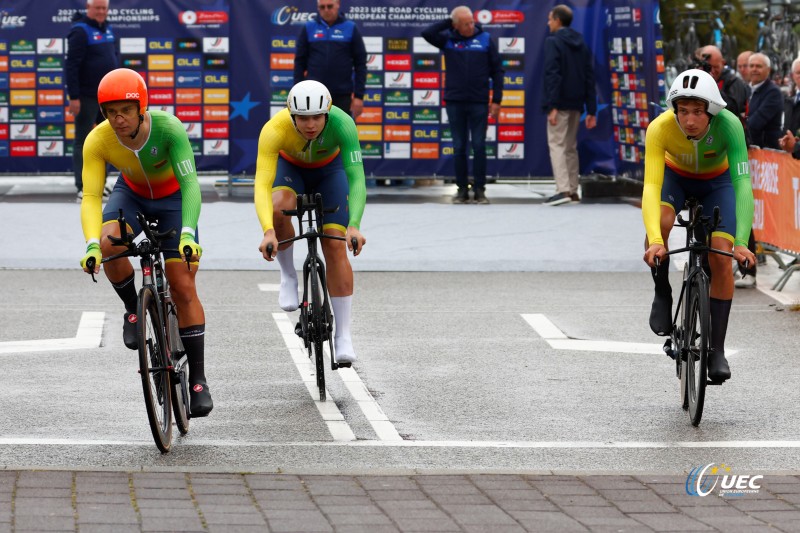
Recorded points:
(342,342)
(287,298)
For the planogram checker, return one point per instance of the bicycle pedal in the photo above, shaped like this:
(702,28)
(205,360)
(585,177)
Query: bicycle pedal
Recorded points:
(343,365)
(715,383)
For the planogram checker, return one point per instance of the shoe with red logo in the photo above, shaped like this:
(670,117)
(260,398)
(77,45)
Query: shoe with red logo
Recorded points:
(129,331)
(201,399)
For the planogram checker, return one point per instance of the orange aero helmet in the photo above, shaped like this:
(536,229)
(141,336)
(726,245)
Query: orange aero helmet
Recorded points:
(122,84)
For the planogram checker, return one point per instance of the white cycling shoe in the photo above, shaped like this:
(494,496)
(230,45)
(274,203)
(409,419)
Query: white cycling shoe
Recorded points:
(344,350)
(287,298)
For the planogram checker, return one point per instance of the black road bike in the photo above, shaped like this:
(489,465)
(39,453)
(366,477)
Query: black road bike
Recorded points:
(315,326)
(162,359)
(689,343)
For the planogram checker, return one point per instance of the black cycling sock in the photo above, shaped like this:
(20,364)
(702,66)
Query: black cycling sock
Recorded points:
(720,311)
(193,339)
(126,289)
(661,278)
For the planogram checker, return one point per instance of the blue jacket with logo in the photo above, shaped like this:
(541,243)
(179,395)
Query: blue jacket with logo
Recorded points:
(471,62)
(330,55)
(91,54)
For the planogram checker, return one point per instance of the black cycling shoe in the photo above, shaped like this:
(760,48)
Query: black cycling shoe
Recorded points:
(661,315)
(718,369)
(201,402)
(129,331)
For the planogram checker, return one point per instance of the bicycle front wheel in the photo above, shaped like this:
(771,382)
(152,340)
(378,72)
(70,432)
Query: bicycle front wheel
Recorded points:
(153,368)
(698,340)
(317,323)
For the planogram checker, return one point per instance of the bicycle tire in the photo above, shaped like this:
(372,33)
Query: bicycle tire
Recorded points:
(152,367)
(317,324)
(179,378)
(682,348)
(698,336)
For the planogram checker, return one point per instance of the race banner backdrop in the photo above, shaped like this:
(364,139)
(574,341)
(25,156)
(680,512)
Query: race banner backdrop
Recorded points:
(225,68)
(181,48)
(776,188)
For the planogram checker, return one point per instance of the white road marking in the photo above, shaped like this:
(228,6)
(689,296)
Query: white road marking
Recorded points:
(189,441)
(556,339)
(89,335)
(269,287)
(338,427)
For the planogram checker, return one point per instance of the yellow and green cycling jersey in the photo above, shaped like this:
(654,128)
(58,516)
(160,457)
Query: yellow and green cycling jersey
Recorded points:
(279,138)
(722,148)
(163,165)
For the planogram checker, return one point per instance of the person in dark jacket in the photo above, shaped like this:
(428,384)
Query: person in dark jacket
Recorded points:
(472,60)
(791,116)
(91,54)
(568,90)
(765,110)
(330,49)
(734,90)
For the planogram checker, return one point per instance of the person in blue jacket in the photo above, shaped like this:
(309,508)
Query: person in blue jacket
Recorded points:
(472,62)
(330,50)
(91,54)
(568,90)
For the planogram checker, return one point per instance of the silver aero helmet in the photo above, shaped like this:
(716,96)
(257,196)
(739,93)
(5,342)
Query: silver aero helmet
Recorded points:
(697,84)
(309,97)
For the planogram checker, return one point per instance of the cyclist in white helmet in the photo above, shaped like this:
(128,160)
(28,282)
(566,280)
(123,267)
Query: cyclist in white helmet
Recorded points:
(697,148)
(312,146)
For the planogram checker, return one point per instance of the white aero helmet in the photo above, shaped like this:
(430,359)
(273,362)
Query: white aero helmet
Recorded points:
(309,97)
(697,84)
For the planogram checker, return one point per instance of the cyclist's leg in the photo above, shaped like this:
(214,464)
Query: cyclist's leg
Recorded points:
(672,198)
(191,315)
(120,272)
(334,189)
(721,195)
(288,184)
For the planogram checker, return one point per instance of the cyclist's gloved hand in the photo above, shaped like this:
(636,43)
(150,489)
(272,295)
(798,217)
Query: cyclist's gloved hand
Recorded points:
(187,239)
(92,250)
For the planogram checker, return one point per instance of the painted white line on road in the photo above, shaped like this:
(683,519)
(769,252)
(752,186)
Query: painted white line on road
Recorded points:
(269,287)
(89,335)
(384,429)
(334,419)
(556,339)
(190,441)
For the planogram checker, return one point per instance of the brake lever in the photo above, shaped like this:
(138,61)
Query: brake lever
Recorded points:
(90,264)
(187,253)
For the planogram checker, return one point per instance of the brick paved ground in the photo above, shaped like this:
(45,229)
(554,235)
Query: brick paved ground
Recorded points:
(89,502)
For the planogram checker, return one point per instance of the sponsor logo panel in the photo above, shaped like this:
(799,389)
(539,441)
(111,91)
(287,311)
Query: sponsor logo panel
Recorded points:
(510,151)
(45,63)
(216,79)
(371,150)
(22,46)
(194,130)
(189,113)
(188,79)
(426,133)
(370,115)
(160,45)
(394,80)
(216,62)
(4,132)
(161,79)
(513,81)
(374,62)
(23,98)
(213,113)
(374,45)
(22,64)
(22,80)
(188,96)
(396,150)
(215,147)
(421,46)
(374,80)
(427,80)
(425,151)
(133,45)
(426,114)
(187,44)
(215,131)
(161,96)
(23,148)
(513,99)
(136,62)
(288,43)
(282,80)
(50,80)
(426,97)
(397,115)
(511,45)
(50,46)
(216,96)
(512,115)
(160,62)
(188,61)
(281,61)
(369,132)
(397,133)
(393,62)
(427,62)
(216,45)
(397,97)
(23,132)
(51,148)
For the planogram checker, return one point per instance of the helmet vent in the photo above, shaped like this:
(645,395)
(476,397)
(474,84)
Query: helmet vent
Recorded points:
(690,82)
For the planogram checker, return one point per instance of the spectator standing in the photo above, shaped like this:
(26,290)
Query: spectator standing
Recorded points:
(472,60)
(330,50)
(765,110)
(791,116)
(742,65)
(568,90)
(91,54)
(733,89)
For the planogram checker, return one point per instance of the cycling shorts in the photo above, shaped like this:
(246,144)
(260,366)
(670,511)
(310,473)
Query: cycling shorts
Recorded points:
(167,210)
(717,191)
(329,180)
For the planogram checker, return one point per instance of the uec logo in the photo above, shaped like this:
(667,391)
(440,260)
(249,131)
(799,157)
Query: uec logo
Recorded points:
(702,480)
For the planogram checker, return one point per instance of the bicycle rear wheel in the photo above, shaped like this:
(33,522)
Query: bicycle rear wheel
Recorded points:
(152,367)
(317,328)
(698,337)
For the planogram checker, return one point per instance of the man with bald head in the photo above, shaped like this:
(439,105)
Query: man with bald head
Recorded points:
(742,66)
(734,90)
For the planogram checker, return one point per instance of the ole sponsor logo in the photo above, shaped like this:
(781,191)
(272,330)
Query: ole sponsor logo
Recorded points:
(510,134)
(23,148)
(22,80)
(397,133)
(215,131)
(189,113)
(513,99)
(50,97)
(281,61)
(427,80)
(53,80)
(160,45)
(512,115)
(161,96)
(215,96)
(368,132)
(22,64)
(284,43)
(215,113)
(160,62)
(161,79)
(26,98)
(370,115)
(397,62)
(188,96)
(188,61)
(513,81)
(426,133)
(425,151)
(216,80)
